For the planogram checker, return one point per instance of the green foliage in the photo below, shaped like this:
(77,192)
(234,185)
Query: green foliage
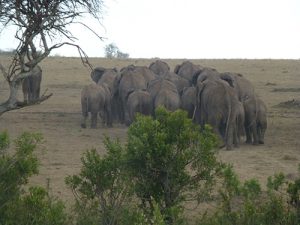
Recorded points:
(17,207)
(36,208)
(4,141)
(102,184)
(170,161)
(246,203)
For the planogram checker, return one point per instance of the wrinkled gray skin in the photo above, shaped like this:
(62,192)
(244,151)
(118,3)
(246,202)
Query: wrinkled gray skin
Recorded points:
(96,100)
(139,101)
(164,93)
(142,70)
(187,70)
(159,67)
(188,100)
(243,87)
(255,120)
(97,73)
(218,106)
(179,81)
(132,78)
(110,77)
(31,85)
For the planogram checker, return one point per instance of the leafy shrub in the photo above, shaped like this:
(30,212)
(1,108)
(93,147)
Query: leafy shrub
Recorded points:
(17,206)
(170,161)
(102,188)
(247,204)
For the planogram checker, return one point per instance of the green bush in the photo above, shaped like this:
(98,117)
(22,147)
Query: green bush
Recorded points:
(102,188)
(247,204)
(16,205)
(170,161)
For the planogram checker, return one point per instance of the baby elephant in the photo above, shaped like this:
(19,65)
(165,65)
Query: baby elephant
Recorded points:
(96,99)
(255,120)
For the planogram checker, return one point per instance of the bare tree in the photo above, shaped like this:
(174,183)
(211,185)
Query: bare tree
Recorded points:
(38,24)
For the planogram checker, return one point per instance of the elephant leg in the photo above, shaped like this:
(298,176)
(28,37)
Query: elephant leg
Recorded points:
(236,138)
(229,137)
(94,120)
(109,117)
(261,134)
(248,135)
(254,133)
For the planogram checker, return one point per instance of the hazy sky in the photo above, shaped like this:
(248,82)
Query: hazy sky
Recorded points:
(192,29)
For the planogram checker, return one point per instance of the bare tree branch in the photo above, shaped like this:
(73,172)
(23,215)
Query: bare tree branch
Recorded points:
(39,22)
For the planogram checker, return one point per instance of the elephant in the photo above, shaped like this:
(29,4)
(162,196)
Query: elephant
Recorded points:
(131,78)
(255,120)
(110,77)
(218,105)
(97,73)
(243,87)
(179,81)
(188,100)
(164,93)
(187,70)
(159,67)
(206,73)
(96,99)
(142,70)
(138,101)
(31,85)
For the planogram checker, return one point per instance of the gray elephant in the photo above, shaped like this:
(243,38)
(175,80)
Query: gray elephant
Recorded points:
(187,70)
(159,67)
(110,77)
(255,120)
(206,73)
(188,100)
(138,101)
(179,81)
(96,100)
(97,73)
(164,93)
(218,105)
(243,87)
(131,78)
(142,70)
(31,85)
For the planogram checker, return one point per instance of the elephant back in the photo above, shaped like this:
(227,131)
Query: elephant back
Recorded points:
(159,67)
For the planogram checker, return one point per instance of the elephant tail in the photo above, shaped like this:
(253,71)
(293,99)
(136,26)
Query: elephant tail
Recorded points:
(228,100)
(129,93)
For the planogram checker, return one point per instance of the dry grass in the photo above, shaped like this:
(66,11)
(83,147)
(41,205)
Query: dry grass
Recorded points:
(58,119)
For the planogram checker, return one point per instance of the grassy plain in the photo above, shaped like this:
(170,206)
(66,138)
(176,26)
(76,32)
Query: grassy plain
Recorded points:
(58,118)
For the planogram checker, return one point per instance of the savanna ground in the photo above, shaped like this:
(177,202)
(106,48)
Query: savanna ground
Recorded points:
(58,119)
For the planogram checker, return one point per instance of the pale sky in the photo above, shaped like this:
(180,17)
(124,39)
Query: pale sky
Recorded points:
(191,29)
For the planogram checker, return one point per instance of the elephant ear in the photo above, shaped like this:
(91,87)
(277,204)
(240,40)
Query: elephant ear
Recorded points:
(97,73)
(195,76)
(226,77)
(176,69)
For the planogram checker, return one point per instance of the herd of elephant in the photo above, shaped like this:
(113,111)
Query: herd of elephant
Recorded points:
(226,101)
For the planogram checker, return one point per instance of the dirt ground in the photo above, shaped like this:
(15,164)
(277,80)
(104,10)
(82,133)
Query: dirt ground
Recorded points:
(58,119)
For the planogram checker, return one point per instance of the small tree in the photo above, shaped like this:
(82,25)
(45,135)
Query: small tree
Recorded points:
(112,51)
(171,161)
(38,24)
